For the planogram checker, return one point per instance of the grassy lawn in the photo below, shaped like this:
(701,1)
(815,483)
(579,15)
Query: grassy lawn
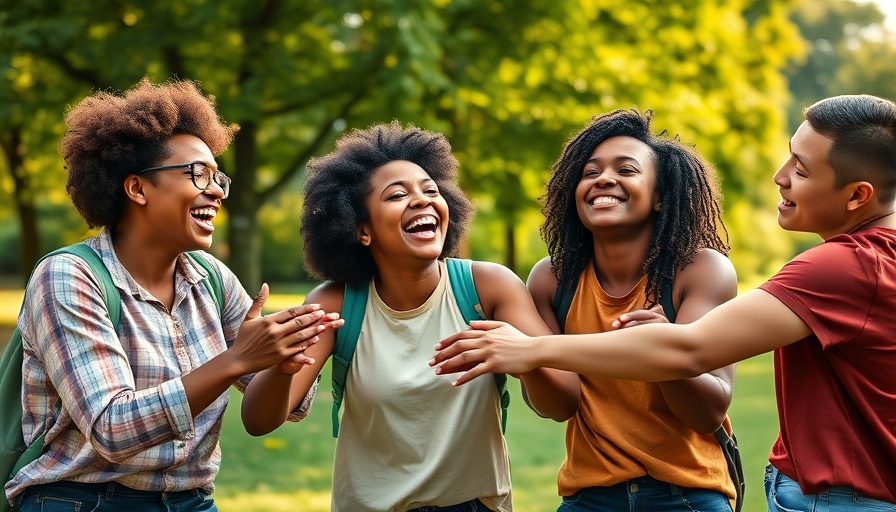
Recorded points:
(290,469)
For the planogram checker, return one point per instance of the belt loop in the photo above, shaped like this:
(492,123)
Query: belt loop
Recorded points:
(110,491)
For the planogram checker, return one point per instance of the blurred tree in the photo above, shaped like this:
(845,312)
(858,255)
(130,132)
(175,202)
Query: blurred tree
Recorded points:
(506,81)
(850,51)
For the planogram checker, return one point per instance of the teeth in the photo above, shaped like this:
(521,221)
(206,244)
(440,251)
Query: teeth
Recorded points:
(420,222)
(605,200)
(205,213)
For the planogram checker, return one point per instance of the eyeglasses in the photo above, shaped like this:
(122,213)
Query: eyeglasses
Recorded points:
(200,173)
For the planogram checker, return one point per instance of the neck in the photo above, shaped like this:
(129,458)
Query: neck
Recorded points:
(884,219)
(406,289)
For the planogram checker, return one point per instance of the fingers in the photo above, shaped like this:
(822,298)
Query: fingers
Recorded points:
(258,302)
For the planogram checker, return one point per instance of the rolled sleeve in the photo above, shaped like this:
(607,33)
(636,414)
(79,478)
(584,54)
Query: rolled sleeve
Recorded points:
(176,405)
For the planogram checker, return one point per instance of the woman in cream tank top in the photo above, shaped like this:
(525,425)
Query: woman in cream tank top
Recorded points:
(384,209)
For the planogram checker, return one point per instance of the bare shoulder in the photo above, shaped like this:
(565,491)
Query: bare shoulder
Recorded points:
(709,280)
(542,281)
(487,273)
(709,264)
(329,295)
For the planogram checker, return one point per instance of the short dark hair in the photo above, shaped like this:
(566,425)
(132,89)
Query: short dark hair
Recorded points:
(111,136)
(690,217)
(338,184)
(863,130)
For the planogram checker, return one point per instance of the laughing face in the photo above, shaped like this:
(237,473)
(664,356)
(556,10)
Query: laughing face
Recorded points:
(618,186)
(809,202)
(185,212)
(408,215)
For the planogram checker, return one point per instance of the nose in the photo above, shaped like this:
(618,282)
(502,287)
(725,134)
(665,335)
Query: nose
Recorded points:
(781,178)
(605,179)
(420,200)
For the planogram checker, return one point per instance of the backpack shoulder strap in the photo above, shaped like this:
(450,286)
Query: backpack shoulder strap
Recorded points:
(354,303)
(213,282)
(562,300)
(460,275)
(666,302)
(11,440)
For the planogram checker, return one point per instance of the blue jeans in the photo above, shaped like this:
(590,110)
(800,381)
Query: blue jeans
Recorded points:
(110,497)
(784,494)
(645,494)
(469,506)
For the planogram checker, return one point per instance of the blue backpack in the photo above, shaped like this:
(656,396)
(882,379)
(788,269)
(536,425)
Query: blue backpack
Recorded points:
(354,303)
(14,454)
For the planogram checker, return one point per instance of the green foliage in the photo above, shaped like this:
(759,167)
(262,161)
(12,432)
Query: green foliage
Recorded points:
(851,52)
(506,82)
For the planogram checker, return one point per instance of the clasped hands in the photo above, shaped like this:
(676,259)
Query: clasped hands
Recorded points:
(280,338)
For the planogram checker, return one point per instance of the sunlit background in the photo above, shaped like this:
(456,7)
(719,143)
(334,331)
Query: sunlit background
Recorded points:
(506,81)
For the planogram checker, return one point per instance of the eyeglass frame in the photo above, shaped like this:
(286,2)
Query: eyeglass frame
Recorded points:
(213,178)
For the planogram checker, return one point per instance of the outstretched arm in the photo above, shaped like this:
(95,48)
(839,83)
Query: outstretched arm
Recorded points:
(708,281)
(753,323)
(275,392)
(551,393)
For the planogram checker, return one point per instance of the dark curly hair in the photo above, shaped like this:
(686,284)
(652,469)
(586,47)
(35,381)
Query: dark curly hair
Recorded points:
(111,136)
(338,184)
(690,217)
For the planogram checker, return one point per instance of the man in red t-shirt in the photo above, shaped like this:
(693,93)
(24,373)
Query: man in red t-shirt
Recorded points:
(829,315)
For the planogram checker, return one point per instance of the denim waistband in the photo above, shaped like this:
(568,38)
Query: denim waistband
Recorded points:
(112,489)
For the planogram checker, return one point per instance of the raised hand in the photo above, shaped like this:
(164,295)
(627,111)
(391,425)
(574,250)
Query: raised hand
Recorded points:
(264,341)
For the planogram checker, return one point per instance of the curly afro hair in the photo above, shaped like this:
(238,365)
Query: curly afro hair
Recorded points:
(111,136)
(690,217)
(338,184)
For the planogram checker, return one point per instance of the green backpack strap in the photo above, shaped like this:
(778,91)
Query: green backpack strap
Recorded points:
(354,303)
(213,281)
(14,455)
(460,275)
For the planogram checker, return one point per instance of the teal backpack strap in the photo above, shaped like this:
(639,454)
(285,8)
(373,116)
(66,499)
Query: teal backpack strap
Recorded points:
(12,443)
(460,275)
(213,282)
(354,303)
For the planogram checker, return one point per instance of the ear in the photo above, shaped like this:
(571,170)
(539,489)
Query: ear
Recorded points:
(363,235)
(862,193)
(133,188)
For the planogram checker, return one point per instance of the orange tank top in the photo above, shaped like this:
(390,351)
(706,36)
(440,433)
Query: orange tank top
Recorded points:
(624,429)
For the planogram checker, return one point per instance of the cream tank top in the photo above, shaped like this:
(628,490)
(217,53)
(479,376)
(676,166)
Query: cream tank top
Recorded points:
(408,438)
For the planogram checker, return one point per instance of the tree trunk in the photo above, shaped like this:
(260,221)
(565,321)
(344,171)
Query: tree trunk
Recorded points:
(23,195)
(510,245)
(243,237)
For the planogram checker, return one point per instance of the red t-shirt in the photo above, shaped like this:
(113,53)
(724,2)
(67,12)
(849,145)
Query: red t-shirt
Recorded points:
(836,389)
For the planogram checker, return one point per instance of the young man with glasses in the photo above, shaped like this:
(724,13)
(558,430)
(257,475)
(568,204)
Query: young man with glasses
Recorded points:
(131,413)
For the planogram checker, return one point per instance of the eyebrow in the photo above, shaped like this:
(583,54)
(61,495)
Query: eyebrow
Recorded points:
(616,159)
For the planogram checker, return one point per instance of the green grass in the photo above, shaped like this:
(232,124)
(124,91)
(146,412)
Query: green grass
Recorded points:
(290,469)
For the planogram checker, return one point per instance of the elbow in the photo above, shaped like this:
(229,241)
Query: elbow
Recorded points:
(254,427)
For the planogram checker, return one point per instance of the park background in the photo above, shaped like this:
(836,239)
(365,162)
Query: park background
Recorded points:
(506,81)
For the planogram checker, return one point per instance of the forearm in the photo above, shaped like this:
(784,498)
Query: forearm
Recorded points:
(208,382)
(269,399)
(551,393)
(701,402)
(669,354)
